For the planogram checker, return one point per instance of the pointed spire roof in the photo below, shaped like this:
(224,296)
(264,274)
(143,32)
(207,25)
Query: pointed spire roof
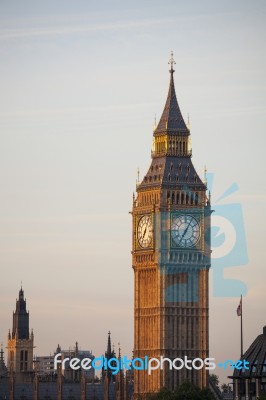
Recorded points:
(21,318)
(172,121)
(21,293)
(109,349)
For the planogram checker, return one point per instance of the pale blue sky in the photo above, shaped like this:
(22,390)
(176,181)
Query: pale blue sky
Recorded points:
(80,85)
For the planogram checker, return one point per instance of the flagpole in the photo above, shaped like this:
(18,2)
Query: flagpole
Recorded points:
(241,323)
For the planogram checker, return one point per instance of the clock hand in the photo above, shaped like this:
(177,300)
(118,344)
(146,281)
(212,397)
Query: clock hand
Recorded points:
(186,230)
(145,231)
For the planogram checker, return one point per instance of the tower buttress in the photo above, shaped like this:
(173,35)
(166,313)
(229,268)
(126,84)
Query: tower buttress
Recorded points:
(119,381)
(3,368)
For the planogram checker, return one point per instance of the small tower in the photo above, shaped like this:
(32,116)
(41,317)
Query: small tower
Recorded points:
(59,377)
(107,374)
(11,385)
(36,386)
(108,355)
(83,387)
(119,381)
(20,342)
(59,384)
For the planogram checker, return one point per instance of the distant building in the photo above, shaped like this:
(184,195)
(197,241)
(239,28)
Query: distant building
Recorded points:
(44,365)
(75,375)
(25,378)
(249,384)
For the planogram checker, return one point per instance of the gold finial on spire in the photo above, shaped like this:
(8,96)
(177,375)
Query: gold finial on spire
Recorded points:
(155,123)
(172,62)
(205,175)
(137,180)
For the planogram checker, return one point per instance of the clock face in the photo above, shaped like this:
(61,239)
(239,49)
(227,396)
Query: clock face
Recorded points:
(145,231)
(185,231)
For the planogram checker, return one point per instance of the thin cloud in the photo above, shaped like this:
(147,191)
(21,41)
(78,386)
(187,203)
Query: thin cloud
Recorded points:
(74,110)
(77,218)
(247,111)
(28,32)
(251,197)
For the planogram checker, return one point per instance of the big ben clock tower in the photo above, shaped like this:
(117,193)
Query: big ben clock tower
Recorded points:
(171,258)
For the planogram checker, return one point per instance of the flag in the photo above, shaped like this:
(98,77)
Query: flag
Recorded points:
(239,309)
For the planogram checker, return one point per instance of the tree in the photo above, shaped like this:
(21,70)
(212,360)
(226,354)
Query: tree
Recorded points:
(226,388)
(186,391)
(215,379)
(164,394)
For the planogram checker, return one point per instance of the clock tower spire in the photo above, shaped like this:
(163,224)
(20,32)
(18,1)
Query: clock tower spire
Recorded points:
(171,256)
(171,134)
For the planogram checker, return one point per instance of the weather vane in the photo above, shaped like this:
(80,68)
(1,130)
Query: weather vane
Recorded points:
(172,61)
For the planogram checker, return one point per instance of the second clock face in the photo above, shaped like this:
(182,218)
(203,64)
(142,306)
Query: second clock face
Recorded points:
(185,231)
(145,231)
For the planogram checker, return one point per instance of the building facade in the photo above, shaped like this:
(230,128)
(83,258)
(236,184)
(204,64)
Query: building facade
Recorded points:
(171,256)
(44,365)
